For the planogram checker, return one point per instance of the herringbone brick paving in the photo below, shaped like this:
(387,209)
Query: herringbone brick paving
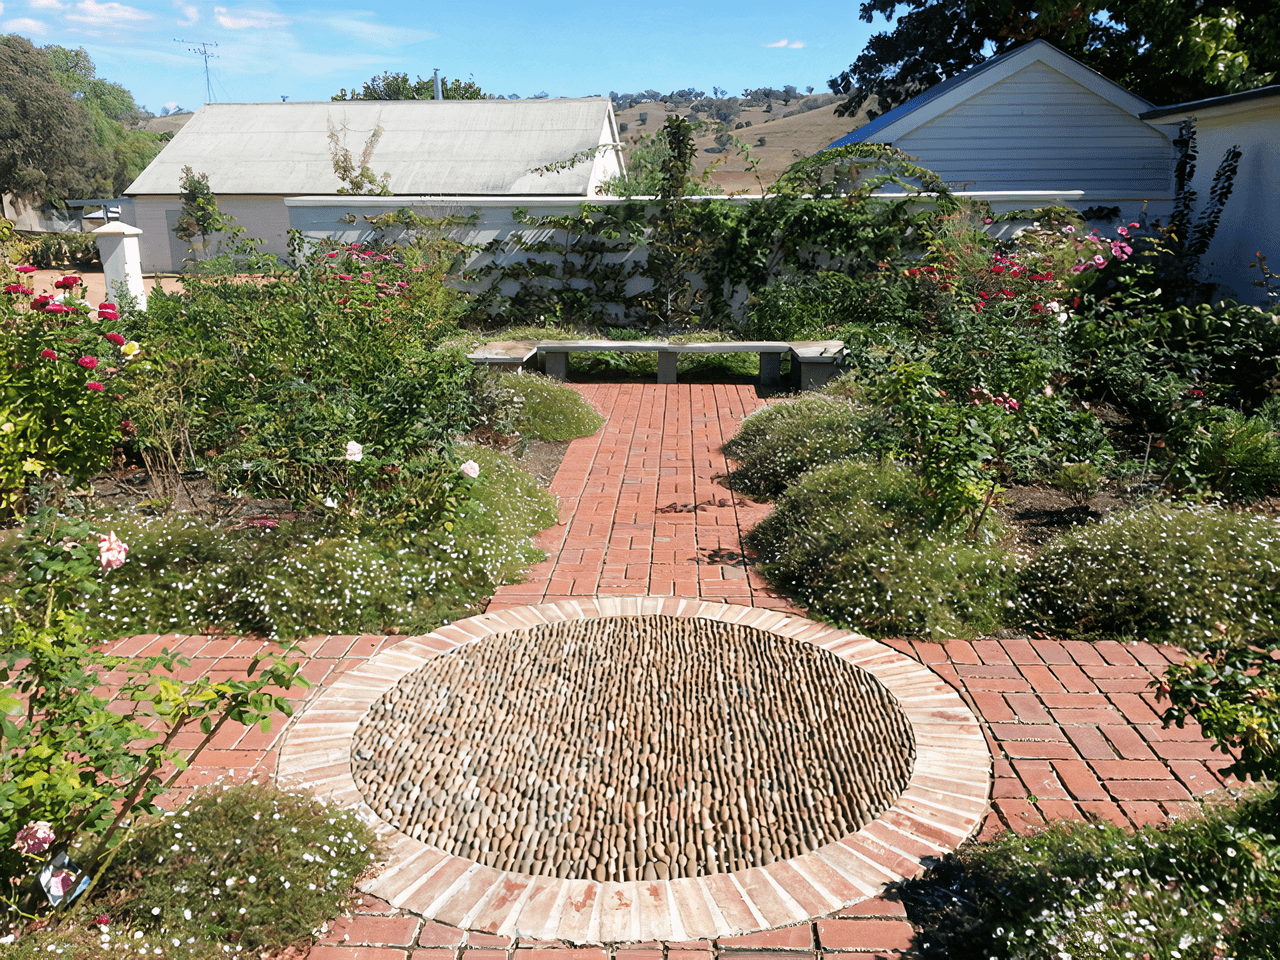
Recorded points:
(1073,727)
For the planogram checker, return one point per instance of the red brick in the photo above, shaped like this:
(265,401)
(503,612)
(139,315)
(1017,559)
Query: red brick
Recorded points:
(1147,790)
(1131,769)
(431,955)
(864,935)
(1028,708)
(1072,677)
(1041,678)
(1195,776)
(1091,743)
(990,651)
(368,903)
(384,931)
(628,953)
(1134,708)
(1051,651)
(1002,671)
(1054,810)
(1106,811)
(1128,742)
(1099,715)
(475,939)
(875,907)
(1028,731)
(1007,788)
(1142,812)
(787,938)
(1114,653)
(325,951)
(1082,653)
(1020,815)
(961,651)
(1040,749)
(1079,780)
(1040,779)
(992,707)
(1020,652)
(438,935)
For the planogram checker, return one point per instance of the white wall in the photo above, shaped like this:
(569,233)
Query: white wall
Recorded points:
(1037,130)
(263,218)
(1251,218)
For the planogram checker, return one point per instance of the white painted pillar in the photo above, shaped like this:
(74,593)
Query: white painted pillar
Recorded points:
(121,259)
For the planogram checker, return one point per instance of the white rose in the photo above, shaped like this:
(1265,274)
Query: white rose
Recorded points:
(470,469)
(354,451)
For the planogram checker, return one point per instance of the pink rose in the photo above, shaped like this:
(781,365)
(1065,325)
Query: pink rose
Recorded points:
(93,385)
(114,338)
(48,354)
(25,268)
(112,553)
(67,283)
(470,469)
(34,837)
(88,363)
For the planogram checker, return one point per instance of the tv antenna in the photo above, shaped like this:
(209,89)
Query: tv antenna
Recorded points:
(201,49)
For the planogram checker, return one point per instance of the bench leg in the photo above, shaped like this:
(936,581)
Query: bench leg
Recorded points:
(814,375)
(557,365)
(771,370)
(666,368)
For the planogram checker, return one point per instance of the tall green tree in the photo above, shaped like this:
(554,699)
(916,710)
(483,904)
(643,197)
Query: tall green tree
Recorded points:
(123,149)
(1167,51)
(45,145)
(397,86)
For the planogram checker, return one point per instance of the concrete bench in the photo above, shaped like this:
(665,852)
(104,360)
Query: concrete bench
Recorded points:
(813,362)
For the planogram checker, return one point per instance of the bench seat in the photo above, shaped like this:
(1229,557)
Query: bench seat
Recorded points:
(813,362)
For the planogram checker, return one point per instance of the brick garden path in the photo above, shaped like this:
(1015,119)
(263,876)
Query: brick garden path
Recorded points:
(1072,726)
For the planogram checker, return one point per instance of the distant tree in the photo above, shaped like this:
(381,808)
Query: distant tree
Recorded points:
(397,86)
(123,150)
(1167,51)
(45,145)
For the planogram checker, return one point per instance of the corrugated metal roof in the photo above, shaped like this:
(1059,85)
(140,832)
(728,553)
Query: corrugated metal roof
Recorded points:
(459,147)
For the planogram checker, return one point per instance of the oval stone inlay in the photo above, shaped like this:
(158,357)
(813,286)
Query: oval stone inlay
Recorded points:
(632,748)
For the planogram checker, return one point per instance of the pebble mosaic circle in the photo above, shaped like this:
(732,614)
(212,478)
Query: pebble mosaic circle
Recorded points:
(633,748)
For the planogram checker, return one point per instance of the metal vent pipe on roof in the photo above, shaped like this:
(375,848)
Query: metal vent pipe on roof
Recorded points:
(436,78)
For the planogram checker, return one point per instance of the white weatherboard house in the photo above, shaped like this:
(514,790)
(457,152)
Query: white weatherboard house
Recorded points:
(1034,127)
(1250,221)
(436,153)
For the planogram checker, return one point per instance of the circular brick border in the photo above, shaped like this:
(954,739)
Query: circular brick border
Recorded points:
(943,804)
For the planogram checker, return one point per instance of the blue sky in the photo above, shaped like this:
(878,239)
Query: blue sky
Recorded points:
(308,50)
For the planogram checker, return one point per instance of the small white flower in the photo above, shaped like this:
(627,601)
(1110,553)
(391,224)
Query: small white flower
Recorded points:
(355,452)
(330,502)
(470,469)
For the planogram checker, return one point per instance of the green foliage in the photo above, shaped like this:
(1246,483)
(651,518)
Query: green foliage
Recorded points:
(1219,450)
(547,409)
(200,216)
(50,251)
(1169,51)
(58,402)
(853,542)
(828,305)
(396,86)
(1195,887)
(1080,481)
(1229,686)
(74,761)
(240,868)
(1160,574)
(46,151)
(779,443)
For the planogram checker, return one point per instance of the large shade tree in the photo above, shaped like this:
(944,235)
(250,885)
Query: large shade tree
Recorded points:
(1167,51)
(45,144)
(398,86)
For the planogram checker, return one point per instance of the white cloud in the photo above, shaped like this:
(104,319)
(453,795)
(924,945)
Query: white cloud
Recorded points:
(777,43)
(250,20)
(795,45)
(376,34)
(785,43)
(46,4)
(25,26)
(190,13)
(94,14)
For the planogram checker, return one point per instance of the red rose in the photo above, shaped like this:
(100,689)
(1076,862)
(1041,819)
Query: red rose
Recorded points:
(114,338)
(93,385)
(48,355)
(88,362)
(25,268)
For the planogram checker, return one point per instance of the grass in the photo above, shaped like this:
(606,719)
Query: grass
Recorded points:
(1199,888)
(242,869)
